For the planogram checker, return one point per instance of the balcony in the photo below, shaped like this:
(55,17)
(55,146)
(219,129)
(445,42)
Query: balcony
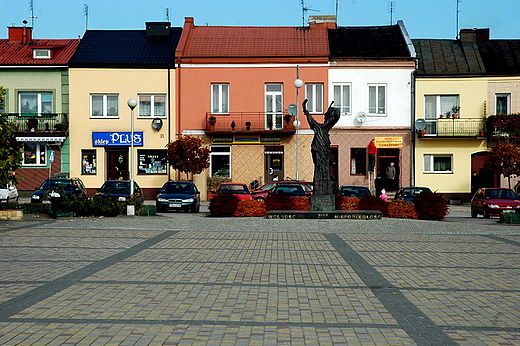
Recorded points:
(454,128)
(503,127)
(53,124)
(249,123)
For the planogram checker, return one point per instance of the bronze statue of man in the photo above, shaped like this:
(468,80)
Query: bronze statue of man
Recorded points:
(320,149)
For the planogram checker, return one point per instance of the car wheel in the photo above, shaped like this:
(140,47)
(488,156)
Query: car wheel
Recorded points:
(486,214)
(474,214)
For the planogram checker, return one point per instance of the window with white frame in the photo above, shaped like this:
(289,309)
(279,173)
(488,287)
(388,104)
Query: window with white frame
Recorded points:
(358,161)
(503,102)
(152,106)
(41,53)
(34,154)
(314,95)
(434,163)
(220,98)
(35,103)
(342,98)
(104,105)
(437,106)
(377,99)
(273,105)
(220,161)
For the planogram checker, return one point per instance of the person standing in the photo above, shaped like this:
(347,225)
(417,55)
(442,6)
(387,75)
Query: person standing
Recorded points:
(372,151)
(391,174)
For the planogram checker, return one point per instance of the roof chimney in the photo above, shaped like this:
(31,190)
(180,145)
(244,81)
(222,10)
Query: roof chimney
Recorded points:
(324,22)
(474,35)
(20,34)
(157,29)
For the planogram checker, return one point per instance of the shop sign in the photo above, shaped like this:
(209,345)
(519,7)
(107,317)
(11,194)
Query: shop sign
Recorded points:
(388,142)
(270,139)
(117,139)
(223,140)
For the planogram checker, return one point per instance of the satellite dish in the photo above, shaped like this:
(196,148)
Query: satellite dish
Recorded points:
(361,117)
(292,109)
(420,124)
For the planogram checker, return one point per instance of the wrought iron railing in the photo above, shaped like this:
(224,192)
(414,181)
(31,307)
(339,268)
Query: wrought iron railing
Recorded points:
(249,121)
(44,122)
(455,127)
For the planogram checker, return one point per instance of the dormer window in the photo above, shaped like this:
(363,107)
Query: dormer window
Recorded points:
(42,53)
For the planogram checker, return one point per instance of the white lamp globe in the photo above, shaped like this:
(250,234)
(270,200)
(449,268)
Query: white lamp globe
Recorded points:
(298,83)
(131,103)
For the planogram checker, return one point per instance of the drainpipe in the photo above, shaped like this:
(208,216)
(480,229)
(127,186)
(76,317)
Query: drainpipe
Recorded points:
(412,101)
(169,115)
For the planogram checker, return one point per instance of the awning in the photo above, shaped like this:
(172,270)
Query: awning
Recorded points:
(40,139)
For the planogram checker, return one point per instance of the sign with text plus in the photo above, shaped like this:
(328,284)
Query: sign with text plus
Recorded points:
(117,139)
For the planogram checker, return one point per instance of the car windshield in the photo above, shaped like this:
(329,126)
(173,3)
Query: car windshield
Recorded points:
(48,184)
(233,188)
(267,187)
(179,188)
(116,187)
(500,194)
(413,192)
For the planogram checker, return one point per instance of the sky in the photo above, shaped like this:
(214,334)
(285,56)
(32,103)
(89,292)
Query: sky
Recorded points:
(422,18)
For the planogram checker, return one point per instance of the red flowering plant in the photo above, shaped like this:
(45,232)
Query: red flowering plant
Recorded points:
(251,208)
(431,206)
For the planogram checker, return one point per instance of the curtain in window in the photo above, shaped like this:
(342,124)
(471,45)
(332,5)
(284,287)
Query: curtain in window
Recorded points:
(447,103)
(112,105)
(145,105)
(441,163)
(29,104)
(381,100)
(372,99)
(46,103)
(97,105)
(159,105)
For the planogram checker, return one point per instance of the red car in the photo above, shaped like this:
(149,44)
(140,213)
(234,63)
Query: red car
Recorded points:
(261,193)
(237,189)
(494,201)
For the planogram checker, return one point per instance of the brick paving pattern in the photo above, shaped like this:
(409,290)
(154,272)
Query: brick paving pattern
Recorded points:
(182,279)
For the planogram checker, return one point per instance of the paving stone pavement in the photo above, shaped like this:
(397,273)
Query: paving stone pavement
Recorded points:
(189,279)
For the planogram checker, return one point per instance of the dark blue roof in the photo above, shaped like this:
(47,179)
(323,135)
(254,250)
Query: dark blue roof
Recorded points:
(126,48)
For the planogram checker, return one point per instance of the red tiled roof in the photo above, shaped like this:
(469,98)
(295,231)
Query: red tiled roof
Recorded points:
(253,42)
(21,54)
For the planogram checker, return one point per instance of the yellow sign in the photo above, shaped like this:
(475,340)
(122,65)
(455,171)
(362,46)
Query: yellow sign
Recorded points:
(388,142)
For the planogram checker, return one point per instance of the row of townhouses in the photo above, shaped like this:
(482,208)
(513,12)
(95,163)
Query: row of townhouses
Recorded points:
(424,102)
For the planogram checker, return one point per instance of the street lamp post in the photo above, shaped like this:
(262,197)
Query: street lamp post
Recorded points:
(298,83)
(131,103)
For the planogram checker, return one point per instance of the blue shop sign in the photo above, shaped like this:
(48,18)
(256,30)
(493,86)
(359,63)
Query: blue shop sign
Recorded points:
(117,139)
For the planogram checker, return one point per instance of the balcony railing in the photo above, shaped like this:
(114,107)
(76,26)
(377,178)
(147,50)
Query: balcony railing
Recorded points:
(455,127)
(55,122)
(249,122)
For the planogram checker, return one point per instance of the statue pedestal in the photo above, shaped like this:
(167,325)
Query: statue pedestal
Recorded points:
(323,202)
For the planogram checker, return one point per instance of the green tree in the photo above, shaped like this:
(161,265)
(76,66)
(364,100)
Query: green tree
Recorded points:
(187,155)
(504,158)
(10,154)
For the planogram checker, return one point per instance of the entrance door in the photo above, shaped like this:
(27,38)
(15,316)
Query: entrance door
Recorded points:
(273,163)
(384,158)
(117,164)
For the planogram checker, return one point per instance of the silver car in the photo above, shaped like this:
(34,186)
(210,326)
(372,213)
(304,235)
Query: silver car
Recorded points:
(8,193)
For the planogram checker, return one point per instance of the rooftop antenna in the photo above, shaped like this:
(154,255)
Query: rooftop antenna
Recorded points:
(167,14)
(337,7)
(32,16)
(457,18)
(85,10)
(391,12)
(304,11)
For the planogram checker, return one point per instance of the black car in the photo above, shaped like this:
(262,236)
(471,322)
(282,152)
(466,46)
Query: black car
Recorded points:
(357,191)
(73,188)
(120,190)
(409,193)
(178,195)
(291,190)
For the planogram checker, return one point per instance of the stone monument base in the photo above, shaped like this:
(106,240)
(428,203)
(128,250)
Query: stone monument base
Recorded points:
(335,214)
(323,202)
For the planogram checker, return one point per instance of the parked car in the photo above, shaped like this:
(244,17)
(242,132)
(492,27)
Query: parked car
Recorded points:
(178,195)
(494,201)
(73,188)
(357,191)
(120,190)
(409,193)
(261,193)
(237,189)
(8,193)
(291,190)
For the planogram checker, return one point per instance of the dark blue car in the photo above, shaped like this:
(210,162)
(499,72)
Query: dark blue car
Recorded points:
(73,188)
(120,190)
(409,193)
(178,195)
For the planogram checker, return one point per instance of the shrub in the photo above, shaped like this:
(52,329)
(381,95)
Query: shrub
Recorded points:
(251,208)
(278,202)
(347,203)
(431,206)
(402,209)
(368,202)
(97,206)
(300,203)
(223,204)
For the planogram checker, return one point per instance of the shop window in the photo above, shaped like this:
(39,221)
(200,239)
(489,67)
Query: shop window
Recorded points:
(358,161)
(88,162)
(152,162)
(34,154)
(220,161)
